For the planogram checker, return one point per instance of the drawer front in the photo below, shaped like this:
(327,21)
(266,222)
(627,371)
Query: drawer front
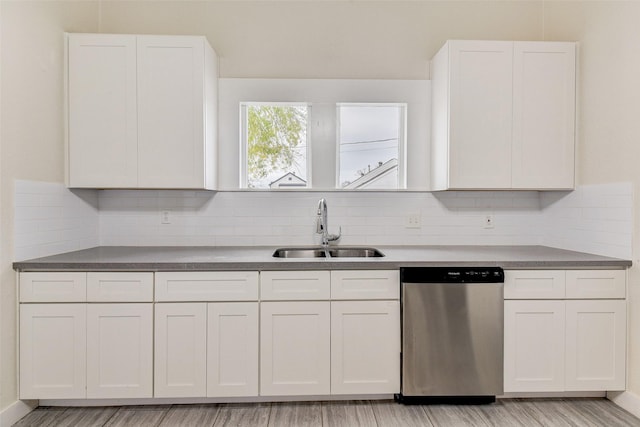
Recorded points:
(587,284)
(365,284)
(295,285)
(207,286)
(534,284)
(53,287)
(120,287)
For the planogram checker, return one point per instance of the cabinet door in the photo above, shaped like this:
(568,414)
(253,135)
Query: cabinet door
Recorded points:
(56,286)
(102,124)
(544,100)
(180,350)
(206,286)
(52,351)
(596,345)
(534,352)
(294,348)
(534,284)
(232,349)
(592,284)
(295,285)
(365,347)
(119,350)
(365,284)
(119,287)
(171,111)
(480,114)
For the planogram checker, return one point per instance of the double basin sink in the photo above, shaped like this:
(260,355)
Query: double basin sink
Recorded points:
(331,252)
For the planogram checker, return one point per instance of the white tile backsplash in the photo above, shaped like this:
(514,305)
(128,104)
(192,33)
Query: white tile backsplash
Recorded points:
(593,218)
(50,218)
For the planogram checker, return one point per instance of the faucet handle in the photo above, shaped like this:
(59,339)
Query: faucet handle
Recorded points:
(334,237)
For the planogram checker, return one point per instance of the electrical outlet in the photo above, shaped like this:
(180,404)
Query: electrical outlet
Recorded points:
(165,217)
(488,221)
(413,220)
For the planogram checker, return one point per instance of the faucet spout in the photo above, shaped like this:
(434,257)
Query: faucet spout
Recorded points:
(322,224)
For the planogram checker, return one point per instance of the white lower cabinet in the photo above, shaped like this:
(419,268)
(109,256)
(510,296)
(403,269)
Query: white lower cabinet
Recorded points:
(208,334)
(365,347)
(180,350)
(232,349)
(53,346)
(119,350)
(295,348)
(206,349)
(534,354)
(596,345)
(571,338)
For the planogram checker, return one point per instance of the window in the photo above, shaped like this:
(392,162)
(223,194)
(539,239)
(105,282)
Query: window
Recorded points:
(344,130)
(371,146)
(275,137)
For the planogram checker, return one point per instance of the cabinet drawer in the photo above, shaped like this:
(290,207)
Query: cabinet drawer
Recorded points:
(53,287)
(207,286)
(120,287)
(534,284)
(588,284)
(365,284)
(295,285)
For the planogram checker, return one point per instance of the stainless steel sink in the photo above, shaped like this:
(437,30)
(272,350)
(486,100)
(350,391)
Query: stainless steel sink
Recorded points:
(355,252)
(299,253)
(332,252)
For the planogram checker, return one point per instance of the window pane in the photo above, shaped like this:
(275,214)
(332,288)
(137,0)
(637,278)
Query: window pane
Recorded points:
(371,139)
(276,144)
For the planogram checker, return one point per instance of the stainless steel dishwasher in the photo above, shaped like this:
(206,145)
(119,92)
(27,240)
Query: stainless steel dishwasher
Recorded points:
(452,334)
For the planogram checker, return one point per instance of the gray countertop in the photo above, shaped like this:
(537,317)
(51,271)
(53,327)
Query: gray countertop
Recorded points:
(203,258)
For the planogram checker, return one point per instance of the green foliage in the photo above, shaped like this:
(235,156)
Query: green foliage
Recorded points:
(273,133)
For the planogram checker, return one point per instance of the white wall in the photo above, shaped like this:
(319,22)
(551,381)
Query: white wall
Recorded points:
(31,137)
(609,112)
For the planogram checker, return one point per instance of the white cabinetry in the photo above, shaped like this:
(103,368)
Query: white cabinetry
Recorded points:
(119,350)
(71,349)
(141,111)
(503,115)
(207,348)
(232,349)
(104,335)
(295,348)
(571,337)
(365,347)
(349,345)
(596,350)
(180,350)
(53,348)
(534,345)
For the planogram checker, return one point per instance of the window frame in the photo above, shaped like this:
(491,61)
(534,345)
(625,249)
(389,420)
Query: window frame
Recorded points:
(323,94)
(402,143)
(244,146)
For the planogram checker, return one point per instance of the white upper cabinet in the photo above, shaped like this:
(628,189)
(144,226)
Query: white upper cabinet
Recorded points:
(102,126)
(141,111)
(544,93)
(503,115)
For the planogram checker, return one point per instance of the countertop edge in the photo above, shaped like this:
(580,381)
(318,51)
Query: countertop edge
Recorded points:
(577,260)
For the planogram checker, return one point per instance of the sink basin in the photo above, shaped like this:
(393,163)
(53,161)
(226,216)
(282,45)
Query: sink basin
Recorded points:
(333,252)
(299,253)
(355,253)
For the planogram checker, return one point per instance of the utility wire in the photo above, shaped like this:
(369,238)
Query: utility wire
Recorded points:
(369,142)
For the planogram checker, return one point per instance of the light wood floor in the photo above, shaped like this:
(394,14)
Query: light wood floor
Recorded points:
(507,412)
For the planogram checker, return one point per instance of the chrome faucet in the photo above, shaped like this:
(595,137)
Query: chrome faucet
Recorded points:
(322,225)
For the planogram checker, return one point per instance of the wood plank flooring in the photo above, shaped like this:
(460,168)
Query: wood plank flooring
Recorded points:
(585,412)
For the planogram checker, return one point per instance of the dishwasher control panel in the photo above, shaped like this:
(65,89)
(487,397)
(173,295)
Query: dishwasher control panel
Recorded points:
(452,275)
